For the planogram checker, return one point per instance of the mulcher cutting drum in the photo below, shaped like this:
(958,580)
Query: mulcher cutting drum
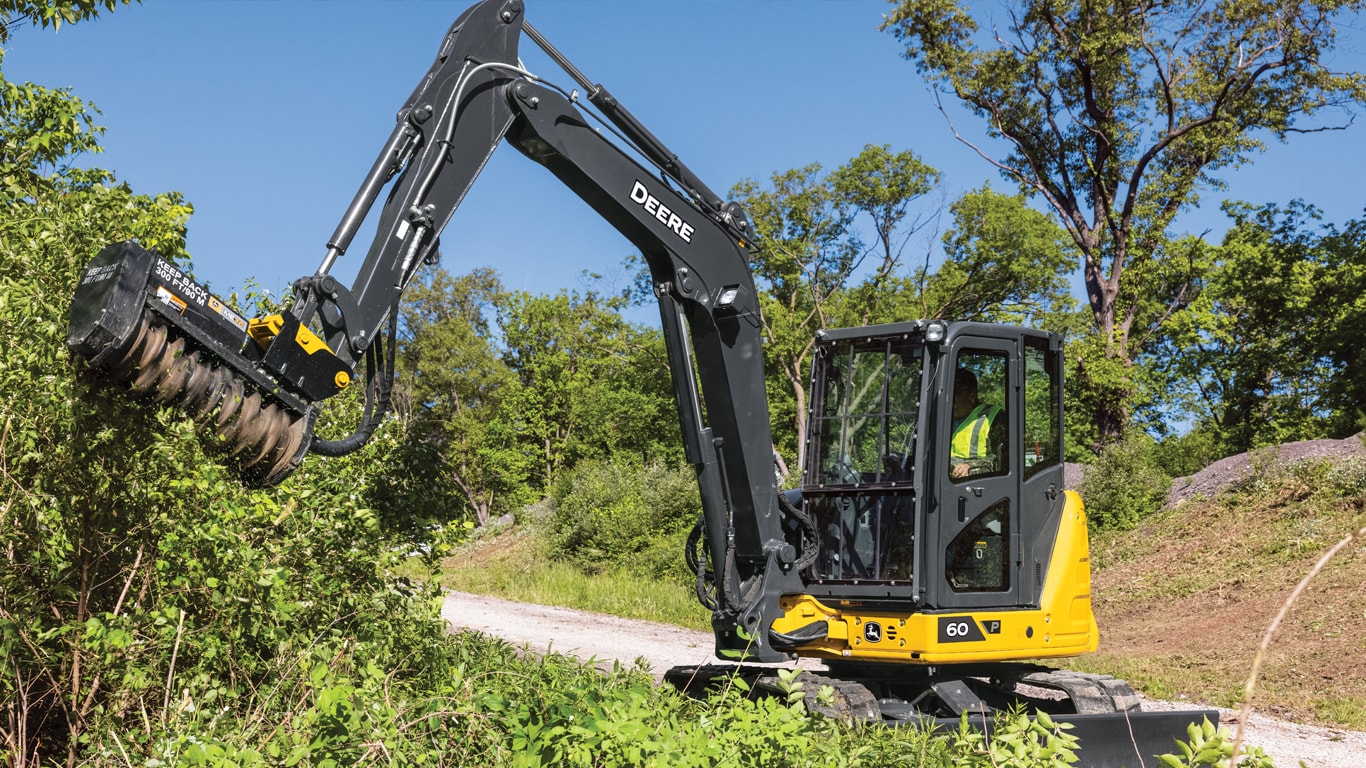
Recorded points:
(140,318)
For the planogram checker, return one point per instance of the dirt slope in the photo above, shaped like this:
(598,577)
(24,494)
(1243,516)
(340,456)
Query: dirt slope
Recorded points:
(1184,601)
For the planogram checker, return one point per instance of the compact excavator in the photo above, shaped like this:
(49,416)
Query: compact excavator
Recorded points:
(931,584)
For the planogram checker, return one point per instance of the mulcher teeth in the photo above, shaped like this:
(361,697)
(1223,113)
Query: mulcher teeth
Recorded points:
(137,317)
(250,428)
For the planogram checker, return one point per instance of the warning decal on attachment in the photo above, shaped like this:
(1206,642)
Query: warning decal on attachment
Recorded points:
(225,313)
(170,299)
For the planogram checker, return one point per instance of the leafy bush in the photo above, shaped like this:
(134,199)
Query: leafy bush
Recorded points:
(1184,455)
(622,513)
(143,591)
(1124,485)
(1208,746)
(1348,477)
(1018,741)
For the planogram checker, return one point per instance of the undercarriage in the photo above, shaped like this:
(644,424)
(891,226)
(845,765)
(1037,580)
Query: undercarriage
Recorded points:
(1105,714)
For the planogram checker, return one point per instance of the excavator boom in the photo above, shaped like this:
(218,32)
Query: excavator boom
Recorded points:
(258,383)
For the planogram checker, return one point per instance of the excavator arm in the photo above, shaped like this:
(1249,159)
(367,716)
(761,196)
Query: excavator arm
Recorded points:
(257,383)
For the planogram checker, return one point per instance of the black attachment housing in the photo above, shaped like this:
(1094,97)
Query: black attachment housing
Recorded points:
(139,317)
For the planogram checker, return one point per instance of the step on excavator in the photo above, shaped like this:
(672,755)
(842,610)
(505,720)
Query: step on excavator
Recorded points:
(932,556)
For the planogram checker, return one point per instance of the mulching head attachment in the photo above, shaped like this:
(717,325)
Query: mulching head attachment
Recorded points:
(138,317)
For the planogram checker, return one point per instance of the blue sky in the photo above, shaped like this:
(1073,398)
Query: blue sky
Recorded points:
(266,115)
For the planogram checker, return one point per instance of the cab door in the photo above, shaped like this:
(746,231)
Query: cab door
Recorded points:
(975,558)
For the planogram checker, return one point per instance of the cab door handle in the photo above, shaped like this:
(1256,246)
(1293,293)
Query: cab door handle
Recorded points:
(975,490)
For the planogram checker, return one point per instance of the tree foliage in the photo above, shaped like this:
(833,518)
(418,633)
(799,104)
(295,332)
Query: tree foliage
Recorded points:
(1340,300)
(590,384)
(142,589)
(623,514)
(452,385)
(1264,355)
(1118,114)
(832,253)
(1004,263)
(811,260)
(147,600)
(880,187)
(50,13)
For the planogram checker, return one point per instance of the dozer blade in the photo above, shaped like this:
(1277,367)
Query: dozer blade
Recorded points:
(1114,739)
(141,320)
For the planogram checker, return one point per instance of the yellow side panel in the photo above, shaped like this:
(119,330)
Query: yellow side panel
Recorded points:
(263,330)
(1063,625)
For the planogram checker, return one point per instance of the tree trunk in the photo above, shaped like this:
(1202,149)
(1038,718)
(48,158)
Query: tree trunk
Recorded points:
(1114,394)
(799,417)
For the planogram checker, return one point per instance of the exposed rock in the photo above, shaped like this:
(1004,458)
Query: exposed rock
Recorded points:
(1228,472)
(1072,475)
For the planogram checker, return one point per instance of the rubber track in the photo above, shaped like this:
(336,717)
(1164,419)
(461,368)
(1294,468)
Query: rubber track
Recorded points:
(1090,694)
(852,702)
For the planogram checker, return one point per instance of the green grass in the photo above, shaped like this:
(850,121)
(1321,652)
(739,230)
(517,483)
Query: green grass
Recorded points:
(512,567)
(1343,710)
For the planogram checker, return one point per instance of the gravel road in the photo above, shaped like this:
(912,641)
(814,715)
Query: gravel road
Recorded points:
(607,640)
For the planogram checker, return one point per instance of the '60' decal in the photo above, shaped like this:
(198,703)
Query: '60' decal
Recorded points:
(960,629)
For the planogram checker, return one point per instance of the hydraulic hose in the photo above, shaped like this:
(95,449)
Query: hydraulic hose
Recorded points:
(379,388)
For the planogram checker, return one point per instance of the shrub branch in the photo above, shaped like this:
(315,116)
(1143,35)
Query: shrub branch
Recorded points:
(1246,708)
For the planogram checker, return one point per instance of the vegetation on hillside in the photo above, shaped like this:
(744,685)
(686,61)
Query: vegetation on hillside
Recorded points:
(1222,567)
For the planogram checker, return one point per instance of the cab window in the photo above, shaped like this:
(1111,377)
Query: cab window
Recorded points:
(977,437)
(1041,415)
(976,559)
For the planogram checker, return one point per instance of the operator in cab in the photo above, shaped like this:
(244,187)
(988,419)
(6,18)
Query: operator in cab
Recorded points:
(972,450)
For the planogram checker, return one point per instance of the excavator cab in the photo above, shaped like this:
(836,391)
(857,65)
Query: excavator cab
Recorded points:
(933,478)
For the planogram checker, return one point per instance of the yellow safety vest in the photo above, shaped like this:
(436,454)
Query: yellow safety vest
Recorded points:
(970,436)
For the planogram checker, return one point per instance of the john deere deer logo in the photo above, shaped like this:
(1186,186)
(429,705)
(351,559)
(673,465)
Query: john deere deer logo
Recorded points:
(872,632)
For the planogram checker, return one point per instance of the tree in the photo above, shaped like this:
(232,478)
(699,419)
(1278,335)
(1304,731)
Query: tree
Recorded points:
(809,252)
(1004,262)
(1267,352)
(879,186)
(1117,114)
(452,384)
(590,384)
(42,127)
(1342,335)
(1244,351)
